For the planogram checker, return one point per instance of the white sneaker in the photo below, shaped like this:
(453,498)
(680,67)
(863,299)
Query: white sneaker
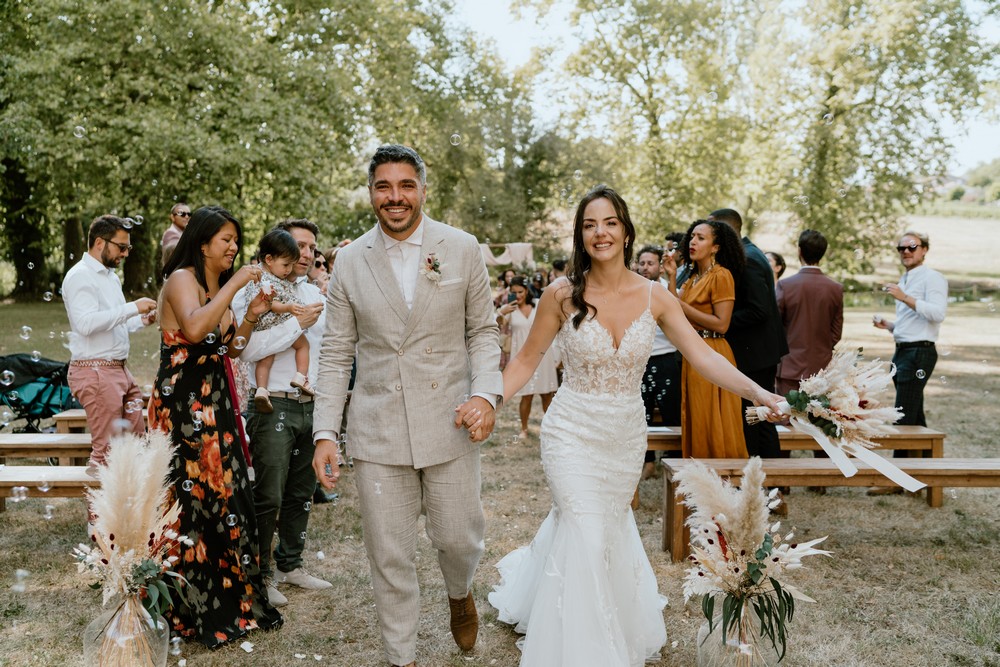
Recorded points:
(299,577)
(274,596)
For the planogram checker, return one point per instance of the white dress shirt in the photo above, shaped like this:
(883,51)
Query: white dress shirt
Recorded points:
(404,256)
(922,322)
(662,344)
(99,318)
(278,339)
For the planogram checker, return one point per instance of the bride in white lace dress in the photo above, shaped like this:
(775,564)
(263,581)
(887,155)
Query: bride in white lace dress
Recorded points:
(583,592)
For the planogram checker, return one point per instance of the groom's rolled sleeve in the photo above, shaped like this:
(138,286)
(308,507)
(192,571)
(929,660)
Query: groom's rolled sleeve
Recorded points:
(336,355)
(481,331)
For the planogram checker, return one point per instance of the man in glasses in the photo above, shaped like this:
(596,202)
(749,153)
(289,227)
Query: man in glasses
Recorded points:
(921,300)
(100,322)
(180,214)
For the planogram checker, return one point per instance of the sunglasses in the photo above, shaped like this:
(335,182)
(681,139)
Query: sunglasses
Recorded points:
(124,247)
(904,248)
(183,214)
(320,264)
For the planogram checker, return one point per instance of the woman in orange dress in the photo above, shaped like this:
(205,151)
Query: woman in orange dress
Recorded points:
(711,419)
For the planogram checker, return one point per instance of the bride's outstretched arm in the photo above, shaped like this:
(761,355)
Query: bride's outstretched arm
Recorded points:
(708,362)
(548,319)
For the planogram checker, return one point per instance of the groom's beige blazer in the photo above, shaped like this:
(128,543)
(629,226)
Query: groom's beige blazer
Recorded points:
(413,365)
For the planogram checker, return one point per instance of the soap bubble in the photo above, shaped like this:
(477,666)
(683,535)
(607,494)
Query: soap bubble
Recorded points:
(240,342)
(47,296)
(578,174)
(25,332)
(47,515)
(456,139)
(20,581)
(231,520)
(210,338)
(187,485)
(307,506)
(279,427)
(139,219)
(828,118)
(79,132)
(921,374)
(7,378)
(223,350)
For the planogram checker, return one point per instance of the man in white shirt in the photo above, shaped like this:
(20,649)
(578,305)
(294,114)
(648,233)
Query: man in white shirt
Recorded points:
(100,321)
(281,442)
(921,301)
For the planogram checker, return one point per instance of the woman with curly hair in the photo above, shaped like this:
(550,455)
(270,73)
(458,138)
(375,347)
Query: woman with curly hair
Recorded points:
(711,419)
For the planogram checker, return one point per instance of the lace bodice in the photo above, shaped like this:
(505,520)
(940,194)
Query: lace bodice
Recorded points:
(592,365)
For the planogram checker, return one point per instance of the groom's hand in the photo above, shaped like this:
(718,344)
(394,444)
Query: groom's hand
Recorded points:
(325,463)
(477,416)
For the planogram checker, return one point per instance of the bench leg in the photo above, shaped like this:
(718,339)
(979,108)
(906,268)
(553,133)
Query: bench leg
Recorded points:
(674,530)
(935,496)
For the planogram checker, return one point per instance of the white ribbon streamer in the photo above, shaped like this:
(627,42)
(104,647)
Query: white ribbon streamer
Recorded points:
(836,454)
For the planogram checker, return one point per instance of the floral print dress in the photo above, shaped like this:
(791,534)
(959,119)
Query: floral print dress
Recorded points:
(193,400)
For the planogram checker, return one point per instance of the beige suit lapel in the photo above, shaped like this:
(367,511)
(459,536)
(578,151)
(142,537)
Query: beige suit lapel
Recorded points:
(383,275)
(425,288)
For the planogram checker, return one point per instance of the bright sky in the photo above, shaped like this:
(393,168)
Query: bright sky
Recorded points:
(977,142)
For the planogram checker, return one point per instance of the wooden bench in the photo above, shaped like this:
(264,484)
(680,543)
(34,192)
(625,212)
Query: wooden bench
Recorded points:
(60,481)
(75,420)
(910,438)
(64,446)
(937,473)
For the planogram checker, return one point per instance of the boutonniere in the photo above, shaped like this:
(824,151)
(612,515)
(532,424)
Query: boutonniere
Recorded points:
(431,268)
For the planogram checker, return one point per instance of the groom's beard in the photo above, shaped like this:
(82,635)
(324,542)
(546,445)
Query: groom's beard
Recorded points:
(397,226)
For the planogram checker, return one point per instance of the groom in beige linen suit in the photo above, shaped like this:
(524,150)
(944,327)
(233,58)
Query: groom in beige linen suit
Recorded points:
(412,299)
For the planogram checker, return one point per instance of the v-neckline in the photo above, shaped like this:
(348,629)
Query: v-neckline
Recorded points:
(624,333)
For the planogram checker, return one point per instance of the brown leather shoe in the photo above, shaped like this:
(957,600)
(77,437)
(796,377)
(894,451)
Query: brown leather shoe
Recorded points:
(464,622)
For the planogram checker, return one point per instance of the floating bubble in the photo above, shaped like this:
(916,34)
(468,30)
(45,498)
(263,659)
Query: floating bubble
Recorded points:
(859,253)
(52,335)
(187,485)
(279,427)
(378,488)
(295,452)
(20,581)
(44,486)
(196,425)
(19,493)
(944,379)
(828,118)
(246,559)
(240,342)
(47,515)
(281,416)
(712,96)
(842,192)
(6,415)
(223,350)
(921,374)
(210,338)
(167,389)
(302,535)
(944,348)
(79,132)
(297,393)
(121,425)
(147,389)
(307,506)
(47,296)
(139,219)
(31,266)
(578,174)
(13,396)
(175,642)
(320,555)
(25,332)
(7,378)
(231,520)
(455,139)
(127,223)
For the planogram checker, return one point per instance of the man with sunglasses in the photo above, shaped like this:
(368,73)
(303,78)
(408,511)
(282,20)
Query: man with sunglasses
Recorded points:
(180,214)
(100,322)
(921,300)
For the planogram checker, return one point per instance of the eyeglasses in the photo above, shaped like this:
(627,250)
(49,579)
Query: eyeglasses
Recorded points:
(912,248)
(183,214)
(320,264)
(124,247)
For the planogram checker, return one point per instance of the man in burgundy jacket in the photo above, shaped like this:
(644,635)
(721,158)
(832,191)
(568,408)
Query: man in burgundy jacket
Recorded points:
(812,312)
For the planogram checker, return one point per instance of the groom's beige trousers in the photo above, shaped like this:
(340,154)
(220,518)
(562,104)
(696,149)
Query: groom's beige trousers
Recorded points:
(391,499)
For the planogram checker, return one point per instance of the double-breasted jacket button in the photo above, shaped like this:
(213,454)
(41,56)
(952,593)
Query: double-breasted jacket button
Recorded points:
(434,385)
(399,387)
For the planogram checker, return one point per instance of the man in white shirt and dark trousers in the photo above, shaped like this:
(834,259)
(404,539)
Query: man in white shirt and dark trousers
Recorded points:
(100,322)
(281,442)
(661,383)
(921,300)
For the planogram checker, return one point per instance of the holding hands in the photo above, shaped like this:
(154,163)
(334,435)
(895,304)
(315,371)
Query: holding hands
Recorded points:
(477,416)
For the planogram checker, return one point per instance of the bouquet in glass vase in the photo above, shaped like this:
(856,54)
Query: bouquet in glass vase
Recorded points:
(130,555)
(838,406)
(738,556)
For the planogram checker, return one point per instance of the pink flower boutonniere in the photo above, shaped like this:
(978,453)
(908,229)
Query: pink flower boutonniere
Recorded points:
(431,268)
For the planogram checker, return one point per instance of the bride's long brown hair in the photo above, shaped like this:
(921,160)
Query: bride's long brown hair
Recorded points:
(580,261)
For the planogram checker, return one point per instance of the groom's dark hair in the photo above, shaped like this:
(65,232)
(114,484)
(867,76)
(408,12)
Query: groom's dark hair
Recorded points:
(397,153)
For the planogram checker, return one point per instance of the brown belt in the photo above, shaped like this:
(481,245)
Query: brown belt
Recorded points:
(94,363)
(290,396)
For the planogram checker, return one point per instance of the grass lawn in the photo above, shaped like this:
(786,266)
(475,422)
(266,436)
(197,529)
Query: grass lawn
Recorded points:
(908,585)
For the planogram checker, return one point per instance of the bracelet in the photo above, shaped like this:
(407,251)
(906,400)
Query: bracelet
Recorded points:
(247,319)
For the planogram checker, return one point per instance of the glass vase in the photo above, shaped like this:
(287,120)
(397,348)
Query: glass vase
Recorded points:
(126,636)
(743,647)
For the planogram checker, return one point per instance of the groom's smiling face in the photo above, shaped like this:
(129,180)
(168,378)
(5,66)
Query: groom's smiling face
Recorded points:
(397,196)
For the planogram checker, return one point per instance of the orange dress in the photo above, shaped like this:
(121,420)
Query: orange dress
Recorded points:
(711,420)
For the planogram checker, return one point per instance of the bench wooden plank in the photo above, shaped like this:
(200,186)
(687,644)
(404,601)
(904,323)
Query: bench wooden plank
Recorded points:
(935,472)
(71,421)
(62,481)
(69,448)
